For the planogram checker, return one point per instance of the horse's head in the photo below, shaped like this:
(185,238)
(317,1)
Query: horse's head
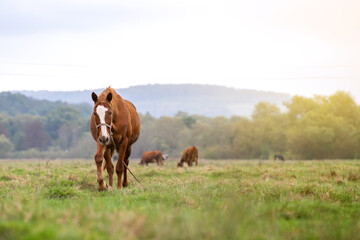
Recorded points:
(103,118)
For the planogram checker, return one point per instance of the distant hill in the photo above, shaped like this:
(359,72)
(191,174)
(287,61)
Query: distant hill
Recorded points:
(15,103)
(167,100)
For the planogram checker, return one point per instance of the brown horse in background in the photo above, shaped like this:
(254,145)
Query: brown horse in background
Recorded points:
(190,155)
(114,125)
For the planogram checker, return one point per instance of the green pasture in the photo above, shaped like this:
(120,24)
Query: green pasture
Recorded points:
(58,199)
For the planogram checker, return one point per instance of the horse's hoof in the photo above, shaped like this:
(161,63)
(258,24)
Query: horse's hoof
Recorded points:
(104,189)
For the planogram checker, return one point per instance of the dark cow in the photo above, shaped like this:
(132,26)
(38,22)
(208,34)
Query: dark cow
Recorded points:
(279,157)
(190,155)
(152,157)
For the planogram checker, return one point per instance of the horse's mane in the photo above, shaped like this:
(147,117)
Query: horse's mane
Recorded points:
(131,104)
(116,97)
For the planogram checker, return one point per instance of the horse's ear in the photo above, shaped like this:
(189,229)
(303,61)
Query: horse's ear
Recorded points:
(94,97)
(109,97)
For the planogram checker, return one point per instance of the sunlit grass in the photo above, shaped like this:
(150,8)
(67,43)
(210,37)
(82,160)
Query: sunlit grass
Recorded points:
(216,200)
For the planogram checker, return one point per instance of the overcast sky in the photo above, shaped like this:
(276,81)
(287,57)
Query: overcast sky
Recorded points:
(296,46)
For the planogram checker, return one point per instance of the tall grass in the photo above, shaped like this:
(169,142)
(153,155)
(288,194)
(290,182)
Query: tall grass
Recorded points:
(216,200)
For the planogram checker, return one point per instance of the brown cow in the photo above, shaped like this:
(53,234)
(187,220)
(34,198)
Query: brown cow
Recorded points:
(190,155)
(152,157)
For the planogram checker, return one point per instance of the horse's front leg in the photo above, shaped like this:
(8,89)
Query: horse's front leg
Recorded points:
(120,163)
(99,157)
(109,165)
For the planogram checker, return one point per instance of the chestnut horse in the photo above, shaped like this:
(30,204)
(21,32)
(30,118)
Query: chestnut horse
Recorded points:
(114,125)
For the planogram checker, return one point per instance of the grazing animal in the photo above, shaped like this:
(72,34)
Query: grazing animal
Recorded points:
(152,157)
(114,125)
(165,157)
(279,157)
(190,155)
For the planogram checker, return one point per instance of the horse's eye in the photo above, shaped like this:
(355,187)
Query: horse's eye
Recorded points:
(94,113)
(110,113)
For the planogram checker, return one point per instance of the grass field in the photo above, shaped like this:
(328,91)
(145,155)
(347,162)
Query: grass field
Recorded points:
(216,200)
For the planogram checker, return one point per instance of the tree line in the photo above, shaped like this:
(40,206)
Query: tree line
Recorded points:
(321,127)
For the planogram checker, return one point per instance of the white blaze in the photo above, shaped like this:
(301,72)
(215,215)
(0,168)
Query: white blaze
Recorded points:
(101,110)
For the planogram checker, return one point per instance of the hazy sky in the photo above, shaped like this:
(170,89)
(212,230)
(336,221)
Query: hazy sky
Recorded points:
(295,46)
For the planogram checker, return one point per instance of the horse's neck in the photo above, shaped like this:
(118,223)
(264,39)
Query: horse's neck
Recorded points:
(119,111)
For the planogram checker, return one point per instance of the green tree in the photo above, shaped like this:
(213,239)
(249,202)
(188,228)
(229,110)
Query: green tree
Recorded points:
(85,147)
(35,135)
(59,117)
(342,104)
(325,131)
(217,138)
(6,146)
(268,130)
(298,106)
(265,110)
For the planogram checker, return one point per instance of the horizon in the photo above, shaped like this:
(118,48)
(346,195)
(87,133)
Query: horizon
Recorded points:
(356,98)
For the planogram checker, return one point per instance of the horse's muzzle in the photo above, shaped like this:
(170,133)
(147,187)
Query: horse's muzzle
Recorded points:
(104,140)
